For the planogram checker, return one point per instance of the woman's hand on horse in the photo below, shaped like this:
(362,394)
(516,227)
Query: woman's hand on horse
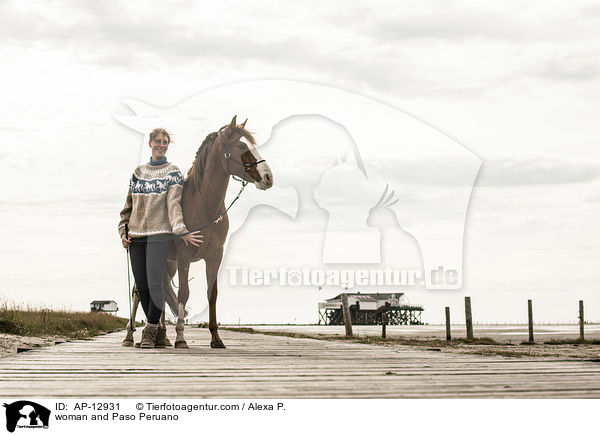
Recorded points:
(126,242)
(192,238)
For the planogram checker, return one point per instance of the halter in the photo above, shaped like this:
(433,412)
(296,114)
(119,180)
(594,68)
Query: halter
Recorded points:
(247,166)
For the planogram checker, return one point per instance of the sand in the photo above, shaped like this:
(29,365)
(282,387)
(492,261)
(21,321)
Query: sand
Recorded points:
(9,343)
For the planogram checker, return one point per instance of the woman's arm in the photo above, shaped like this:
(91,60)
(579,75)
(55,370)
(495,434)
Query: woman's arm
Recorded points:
(125,215)
(174,195)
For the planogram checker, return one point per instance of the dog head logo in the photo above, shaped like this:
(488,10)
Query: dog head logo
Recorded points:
(26,414)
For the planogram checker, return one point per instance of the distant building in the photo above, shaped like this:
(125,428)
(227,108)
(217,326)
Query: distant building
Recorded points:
(104,306)
(368,309)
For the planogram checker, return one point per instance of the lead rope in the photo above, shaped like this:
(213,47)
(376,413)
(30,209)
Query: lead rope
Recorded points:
(131,320)
(220,217)
(244,184)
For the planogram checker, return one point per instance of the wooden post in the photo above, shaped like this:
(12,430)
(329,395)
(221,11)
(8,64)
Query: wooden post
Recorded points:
(346,312)
(384,319)
(448,335)
(530,316)
(468,317)
(581,320)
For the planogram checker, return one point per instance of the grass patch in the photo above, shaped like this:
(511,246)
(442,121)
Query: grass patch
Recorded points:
(558,342)
(33,321)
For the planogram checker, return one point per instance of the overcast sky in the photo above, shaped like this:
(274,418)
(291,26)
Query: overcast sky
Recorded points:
(517,84)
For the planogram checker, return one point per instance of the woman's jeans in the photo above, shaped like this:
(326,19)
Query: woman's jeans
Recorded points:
(149,263)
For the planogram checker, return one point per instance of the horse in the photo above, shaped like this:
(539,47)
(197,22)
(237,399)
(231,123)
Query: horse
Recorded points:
(229,152)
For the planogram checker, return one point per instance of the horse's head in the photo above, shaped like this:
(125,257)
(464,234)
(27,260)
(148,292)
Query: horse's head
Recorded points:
(241,158)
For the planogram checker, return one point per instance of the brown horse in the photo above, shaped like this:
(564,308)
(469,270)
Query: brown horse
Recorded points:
(229,152)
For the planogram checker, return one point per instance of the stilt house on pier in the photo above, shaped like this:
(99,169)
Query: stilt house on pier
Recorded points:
(368,309)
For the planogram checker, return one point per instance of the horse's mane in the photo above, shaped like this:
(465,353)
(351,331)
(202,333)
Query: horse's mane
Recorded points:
(196,172)
(194,175)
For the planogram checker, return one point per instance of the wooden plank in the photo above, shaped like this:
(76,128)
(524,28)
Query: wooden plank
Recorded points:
(257,365)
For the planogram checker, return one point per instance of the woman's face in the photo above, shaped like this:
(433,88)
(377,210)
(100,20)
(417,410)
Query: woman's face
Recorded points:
(159,145)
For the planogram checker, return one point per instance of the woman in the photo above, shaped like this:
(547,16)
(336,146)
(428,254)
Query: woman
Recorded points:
(153,215)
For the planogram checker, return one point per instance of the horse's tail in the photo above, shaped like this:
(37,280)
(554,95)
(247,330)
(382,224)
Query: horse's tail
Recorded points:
(171,297)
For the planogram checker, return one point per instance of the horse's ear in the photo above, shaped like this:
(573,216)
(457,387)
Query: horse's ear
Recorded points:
(244,123)
(228,130)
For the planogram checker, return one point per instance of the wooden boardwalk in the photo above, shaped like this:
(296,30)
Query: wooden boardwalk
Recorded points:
(280,367)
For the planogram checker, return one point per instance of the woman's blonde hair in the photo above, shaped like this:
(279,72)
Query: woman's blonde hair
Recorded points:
(162,131)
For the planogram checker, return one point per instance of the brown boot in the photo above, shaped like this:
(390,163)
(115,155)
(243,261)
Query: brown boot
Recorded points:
(161,338)
(149,336)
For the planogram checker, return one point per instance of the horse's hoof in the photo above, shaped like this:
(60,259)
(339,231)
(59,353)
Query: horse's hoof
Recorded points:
(127,343)
(168,342)
(181,345)
(217,345)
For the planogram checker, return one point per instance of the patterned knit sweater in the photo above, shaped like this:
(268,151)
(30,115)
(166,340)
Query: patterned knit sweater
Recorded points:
(153,204)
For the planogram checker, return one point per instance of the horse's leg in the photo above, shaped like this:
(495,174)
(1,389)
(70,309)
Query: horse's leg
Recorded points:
(171,300)
(170,296)
(183,269)
(162,340)
(212,269)
(128,341)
